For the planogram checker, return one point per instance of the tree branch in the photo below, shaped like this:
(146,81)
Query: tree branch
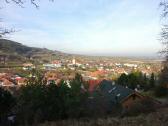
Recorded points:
(21,2)
(4,31)
(164,5)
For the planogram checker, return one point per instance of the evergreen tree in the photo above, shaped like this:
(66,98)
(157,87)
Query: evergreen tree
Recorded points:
(123,80)
(7,102)
(78,97)
(132,81)
(163,78)
(152,81)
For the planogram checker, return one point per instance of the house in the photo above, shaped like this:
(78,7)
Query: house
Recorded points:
(117,94)
(28,66)
(4,82)
(131,65)
(52,77)
(53,65)
(98,73)
(56,63)
(48,66)
(120,71)
(20,81)
(132,99)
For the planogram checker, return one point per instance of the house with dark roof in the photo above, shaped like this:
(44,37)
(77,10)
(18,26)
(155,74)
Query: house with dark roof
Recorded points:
(117,94)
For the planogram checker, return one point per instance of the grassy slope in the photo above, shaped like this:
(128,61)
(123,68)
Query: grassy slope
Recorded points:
(158,118)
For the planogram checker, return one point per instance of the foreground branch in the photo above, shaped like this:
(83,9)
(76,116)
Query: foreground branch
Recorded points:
(164,5)
(4,31)
(22,2)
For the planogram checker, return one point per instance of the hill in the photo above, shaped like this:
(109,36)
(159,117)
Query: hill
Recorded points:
(17,52)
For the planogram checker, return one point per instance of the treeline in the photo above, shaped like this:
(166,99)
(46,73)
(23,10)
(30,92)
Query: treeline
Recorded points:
(37,102)
(139,81)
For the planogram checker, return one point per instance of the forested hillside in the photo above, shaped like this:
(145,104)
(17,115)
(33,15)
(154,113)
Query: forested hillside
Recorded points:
(15,51)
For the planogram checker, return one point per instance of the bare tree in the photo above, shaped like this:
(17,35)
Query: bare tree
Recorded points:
(21,3)
(164,32)
(164,40)
(4,31)
(164,5)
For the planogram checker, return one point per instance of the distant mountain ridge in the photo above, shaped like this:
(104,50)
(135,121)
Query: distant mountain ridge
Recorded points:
(16,51)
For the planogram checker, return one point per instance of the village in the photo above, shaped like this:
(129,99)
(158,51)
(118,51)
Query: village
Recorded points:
(91,70)
(99,80)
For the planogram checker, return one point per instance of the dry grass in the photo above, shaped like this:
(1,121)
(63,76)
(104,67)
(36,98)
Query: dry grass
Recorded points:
(158,118)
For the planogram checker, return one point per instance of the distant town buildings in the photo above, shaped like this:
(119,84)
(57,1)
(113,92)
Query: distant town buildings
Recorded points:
(73,61)
(91,70)
(53,65)
(11,80)
(28,66)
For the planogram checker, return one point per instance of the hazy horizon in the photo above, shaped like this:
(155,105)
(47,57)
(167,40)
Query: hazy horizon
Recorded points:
(98,27)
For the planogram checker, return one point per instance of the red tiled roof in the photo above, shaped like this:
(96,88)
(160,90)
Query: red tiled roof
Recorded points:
(55,62)
(96,73)
(20,80)
(93,84)
(6,82)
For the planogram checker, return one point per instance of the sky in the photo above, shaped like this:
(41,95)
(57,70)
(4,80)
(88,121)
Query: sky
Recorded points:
(90,27)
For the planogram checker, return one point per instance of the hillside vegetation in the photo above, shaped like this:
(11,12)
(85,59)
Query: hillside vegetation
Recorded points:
(158,118)
(18,52)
